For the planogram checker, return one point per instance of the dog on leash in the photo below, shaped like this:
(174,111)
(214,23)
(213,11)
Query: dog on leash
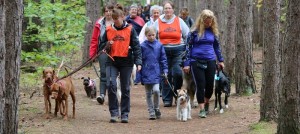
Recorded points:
(49,77)
(222,84)
(60,91)
(89,87)
(132,77)
(183,105)
(189,85)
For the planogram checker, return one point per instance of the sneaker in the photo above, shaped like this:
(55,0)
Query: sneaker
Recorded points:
(157,113)
(113,119)
(152,117)
(167,104)
(206,107)
(124,120)
(202,113)
(100,99)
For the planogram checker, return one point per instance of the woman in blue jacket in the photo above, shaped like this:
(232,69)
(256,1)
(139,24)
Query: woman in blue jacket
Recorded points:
(202,52)
(154,60)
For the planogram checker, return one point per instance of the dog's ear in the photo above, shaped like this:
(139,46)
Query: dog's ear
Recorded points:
(89,78)
(53,73)
(44,75)
(184,90)
(178,90)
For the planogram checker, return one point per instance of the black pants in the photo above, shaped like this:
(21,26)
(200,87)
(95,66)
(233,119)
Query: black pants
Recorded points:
(204,79)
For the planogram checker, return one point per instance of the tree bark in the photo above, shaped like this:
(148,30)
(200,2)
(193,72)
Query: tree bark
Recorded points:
(289,100)
(255,23)
(271,60)
(93,13)
(229,53)
(2,64)
(244,77)
(10,90)
(193,10)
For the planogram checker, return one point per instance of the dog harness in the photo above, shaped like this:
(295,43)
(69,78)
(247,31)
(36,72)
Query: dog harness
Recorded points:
(91,83)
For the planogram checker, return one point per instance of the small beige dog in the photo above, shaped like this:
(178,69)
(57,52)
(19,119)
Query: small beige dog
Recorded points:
(183,105)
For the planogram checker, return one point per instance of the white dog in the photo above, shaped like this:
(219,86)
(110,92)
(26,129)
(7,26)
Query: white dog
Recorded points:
(133,74)
(183,105)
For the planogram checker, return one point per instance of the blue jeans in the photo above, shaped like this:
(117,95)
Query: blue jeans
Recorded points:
(102,61)
(152,89)
(175,74)
(112,73)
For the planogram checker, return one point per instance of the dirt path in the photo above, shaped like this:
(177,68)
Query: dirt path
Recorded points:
(92,118)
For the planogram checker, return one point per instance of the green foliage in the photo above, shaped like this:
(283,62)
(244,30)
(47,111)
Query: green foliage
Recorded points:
(263,128)
(56,27)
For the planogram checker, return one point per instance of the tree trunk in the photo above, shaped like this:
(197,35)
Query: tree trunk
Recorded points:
(11,51)
(193,10)
(244,77)
(93,13)
(260,25)
(255,23)
(2,64)
(271,60)
(289,100)
(229,53)
(201,5)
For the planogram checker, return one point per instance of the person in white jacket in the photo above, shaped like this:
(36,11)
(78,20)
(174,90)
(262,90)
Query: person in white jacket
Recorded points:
(155,12)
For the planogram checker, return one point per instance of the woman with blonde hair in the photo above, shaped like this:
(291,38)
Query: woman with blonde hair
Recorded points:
(203,50)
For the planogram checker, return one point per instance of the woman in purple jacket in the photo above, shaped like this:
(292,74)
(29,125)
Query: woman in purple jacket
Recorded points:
(154,60)
(203,50)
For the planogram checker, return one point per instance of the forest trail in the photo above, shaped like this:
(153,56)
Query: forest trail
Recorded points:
(92,118)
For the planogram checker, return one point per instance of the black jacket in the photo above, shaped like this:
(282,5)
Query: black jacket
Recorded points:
(134,52)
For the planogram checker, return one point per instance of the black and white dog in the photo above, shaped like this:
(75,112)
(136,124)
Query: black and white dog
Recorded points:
(89,87)
(222,84)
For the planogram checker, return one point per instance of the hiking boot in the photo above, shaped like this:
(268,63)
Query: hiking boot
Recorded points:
(100,99)
(206,107)
(157,113)
(202,113)
(167,104)
(113,119)
(152,116)
(124,120)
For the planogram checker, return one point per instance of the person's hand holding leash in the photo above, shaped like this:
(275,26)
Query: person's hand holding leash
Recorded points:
(139,67)
(186,69)
(221,65)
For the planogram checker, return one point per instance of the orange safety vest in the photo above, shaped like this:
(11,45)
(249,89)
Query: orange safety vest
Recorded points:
(169,33)
(121,39)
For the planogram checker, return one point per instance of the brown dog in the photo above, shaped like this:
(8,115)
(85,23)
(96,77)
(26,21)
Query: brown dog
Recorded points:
(49,77)
(60,92)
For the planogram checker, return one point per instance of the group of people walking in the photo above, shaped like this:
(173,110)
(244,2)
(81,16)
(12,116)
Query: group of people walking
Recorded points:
(163,46)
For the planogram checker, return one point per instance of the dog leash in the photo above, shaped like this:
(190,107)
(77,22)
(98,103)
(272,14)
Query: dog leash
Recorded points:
(172,88)
(87,62)
(96,71)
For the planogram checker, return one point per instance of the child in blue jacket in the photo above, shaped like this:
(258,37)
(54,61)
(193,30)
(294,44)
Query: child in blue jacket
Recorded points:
(154,60)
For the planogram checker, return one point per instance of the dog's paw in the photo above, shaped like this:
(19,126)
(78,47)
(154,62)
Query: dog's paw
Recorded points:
(221,111)
(189,118)
(226,106)
(184,120)
(216,108)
